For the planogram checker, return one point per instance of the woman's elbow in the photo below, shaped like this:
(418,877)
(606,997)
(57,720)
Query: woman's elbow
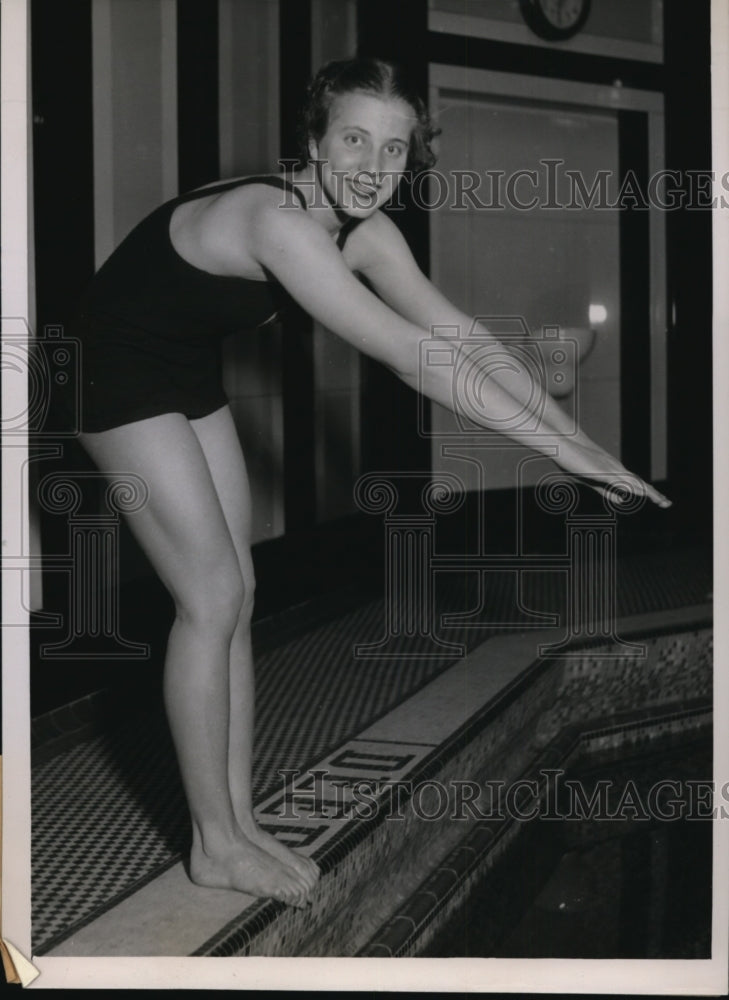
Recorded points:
(406,369)
(405,358)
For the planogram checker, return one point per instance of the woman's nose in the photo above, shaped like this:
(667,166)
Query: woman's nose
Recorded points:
(371,167)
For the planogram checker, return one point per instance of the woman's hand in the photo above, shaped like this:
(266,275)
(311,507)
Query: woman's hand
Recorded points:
(590,464)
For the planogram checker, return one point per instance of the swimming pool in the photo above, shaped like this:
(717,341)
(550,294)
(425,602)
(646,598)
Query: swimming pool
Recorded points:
(627,877)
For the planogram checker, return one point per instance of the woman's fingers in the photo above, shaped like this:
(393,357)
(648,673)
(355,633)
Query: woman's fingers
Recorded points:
(659,498)
(624,483)
(592,466)
(645,489)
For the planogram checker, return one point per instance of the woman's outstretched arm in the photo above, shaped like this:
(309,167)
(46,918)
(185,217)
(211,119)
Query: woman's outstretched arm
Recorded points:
(306,261)
(396,277)
(393,272)
(304,258)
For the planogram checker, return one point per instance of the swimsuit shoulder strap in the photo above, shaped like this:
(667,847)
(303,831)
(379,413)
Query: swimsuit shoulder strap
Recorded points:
(273,180)
(349,226)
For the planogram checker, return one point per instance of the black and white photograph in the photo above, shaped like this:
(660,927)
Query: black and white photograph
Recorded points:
(362,394)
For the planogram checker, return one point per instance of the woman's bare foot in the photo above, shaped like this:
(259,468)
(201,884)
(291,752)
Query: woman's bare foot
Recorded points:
(306,868)
(246,867)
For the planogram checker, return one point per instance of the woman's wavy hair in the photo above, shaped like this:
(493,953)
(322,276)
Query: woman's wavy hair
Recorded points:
(371,76)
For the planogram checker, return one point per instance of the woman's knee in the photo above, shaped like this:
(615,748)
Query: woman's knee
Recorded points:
(248,577)
(246,608)
(215,599)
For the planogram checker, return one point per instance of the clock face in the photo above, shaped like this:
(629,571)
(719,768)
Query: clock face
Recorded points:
(563,14)
(555,19)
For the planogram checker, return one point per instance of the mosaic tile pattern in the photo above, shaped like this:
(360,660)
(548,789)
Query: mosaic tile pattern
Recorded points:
(675,668)
(371,865)
(94,831)
(413,924)
(108,813)
(131,790)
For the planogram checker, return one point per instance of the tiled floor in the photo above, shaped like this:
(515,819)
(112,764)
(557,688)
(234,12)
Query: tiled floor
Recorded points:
(108,813)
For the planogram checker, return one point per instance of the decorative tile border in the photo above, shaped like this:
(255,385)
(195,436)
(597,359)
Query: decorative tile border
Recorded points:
(357,852)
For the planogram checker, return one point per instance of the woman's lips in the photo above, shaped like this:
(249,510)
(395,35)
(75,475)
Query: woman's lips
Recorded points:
(368,191)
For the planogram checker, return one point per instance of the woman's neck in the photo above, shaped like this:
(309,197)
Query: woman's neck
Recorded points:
(319,205)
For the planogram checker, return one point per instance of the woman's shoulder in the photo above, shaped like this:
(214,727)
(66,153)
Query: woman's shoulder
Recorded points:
(254,200)
(218,227)
(375,238)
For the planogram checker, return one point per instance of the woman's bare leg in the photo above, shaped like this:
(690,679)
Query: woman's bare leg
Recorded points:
(184,533)
(219,441)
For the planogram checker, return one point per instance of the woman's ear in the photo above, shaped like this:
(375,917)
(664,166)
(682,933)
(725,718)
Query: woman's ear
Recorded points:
(313,147)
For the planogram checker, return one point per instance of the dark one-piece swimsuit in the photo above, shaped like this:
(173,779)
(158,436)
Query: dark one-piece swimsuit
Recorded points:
(151,325)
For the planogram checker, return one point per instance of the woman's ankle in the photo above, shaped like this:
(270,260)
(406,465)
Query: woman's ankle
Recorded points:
(215,840)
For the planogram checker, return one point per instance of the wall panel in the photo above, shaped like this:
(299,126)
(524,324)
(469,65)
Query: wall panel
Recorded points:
(135,157)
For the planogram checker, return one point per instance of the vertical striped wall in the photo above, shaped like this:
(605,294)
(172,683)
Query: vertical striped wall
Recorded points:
(337,365)
(134,114)
(248,115)
(333,30)
(248,86)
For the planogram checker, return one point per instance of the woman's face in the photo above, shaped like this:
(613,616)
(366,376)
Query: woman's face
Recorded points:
(364,150)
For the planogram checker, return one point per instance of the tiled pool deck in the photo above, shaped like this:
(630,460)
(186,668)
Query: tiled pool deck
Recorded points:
(110,825)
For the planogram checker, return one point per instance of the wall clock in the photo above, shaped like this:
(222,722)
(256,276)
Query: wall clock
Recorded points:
(555,20)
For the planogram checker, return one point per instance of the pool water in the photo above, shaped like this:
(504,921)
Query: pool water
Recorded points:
(629,880)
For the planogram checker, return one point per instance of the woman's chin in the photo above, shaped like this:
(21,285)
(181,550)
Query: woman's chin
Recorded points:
(357,212)
(360,203)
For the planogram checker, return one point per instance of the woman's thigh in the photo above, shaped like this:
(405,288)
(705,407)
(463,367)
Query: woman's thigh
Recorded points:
(182,527)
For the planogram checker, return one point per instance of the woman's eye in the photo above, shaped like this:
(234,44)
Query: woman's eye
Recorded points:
(395,150)
(353,140)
